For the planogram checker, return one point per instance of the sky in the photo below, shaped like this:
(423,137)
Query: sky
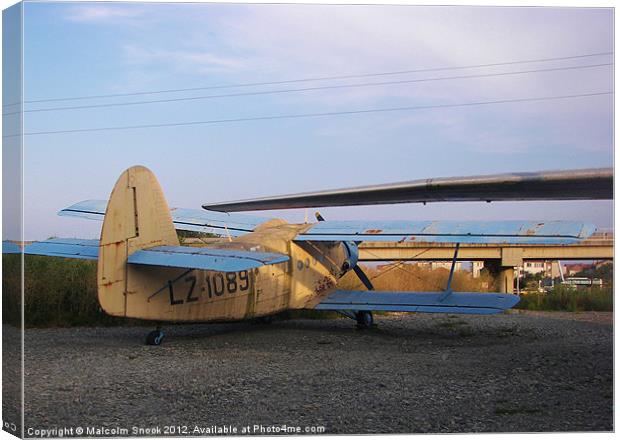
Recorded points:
(84,49)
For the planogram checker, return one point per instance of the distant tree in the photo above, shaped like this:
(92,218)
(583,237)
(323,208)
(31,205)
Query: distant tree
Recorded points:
(605,272)
(530,280)
(183,235)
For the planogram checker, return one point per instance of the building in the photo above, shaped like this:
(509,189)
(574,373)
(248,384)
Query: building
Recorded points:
(548,268)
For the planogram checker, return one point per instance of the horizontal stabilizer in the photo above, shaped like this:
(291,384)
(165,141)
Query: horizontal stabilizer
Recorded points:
(509,232)
(222,260)
(421,302)
(65,247)
(197,220)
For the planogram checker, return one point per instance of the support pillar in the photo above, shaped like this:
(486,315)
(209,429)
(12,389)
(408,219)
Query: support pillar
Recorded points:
(506,279)
(504,276)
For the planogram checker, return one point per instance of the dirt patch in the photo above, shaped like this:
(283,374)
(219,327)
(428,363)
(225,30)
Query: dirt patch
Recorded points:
(605,318)
(416,373)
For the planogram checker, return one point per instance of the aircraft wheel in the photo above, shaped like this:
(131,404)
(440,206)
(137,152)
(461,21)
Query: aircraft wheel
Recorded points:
(156,337)
(364,319)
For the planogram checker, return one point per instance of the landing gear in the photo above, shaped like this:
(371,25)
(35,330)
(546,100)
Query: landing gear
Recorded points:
(156,337)
(364,319)
(264,320)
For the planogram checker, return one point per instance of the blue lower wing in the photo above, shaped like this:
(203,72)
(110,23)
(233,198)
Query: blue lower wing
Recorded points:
(422,302)
(65,247)
(8,247)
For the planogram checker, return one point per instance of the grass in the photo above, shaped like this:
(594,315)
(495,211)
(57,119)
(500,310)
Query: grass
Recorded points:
(11,289)
(409,277)
(563,298)
(63,292)
(57,292)
(452,324)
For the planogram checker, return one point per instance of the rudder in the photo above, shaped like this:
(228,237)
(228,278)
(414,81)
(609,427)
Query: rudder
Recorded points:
(137,217)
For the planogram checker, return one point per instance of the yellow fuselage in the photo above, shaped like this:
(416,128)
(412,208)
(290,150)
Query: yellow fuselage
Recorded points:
(138,217)
(309,276)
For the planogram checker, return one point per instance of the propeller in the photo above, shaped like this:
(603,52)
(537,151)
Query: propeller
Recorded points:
(362,276)
(358,270)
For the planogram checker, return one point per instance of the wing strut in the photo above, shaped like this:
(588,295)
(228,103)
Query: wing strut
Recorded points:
(449,286)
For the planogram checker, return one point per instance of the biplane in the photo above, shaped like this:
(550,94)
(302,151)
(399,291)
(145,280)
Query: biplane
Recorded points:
(262,266)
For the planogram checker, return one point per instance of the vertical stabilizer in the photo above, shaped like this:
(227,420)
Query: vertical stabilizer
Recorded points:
(137,217)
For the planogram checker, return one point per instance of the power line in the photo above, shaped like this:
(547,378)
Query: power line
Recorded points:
(310,115)
(319,78)
(307,89)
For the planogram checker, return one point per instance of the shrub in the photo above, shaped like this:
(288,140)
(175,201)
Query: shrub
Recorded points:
(63,292)
(410,277)
(568,299)
(57,292)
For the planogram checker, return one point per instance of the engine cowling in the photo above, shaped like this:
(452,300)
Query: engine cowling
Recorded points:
(352,255)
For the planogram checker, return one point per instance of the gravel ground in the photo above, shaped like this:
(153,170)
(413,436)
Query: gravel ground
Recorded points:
(523,372)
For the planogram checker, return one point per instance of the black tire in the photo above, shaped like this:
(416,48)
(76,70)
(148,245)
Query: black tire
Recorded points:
(264,320)
(156,337)
(364,319)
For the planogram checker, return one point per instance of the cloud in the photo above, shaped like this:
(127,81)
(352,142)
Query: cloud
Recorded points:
(253,43)
(297,41)
(197,61)
(105,13)
(331,40)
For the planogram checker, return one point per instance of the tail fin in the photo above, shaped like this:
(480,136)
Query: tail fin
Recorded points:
(137,217)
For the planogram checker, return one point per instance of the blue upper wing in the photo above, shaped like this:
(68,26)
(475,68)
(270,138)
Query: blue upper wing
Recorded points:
(510,232)
(197,220)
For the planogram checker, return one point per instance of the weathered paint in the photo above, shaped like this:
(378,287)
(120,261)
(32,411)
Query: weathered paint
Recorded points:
(515,232)
(223,260)
(428,302)
(196,220)
(144,273)
(269,288)
(65,247)
(508,232)
(137,217)
(138,229)
(8,247)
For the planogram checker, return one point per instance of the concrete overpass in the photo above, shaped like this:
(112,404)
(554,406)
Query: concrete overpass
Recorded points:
(500,259)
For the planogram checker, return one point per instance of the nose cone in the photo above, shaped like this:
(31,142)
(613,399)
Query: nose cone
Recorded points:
(351,253)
